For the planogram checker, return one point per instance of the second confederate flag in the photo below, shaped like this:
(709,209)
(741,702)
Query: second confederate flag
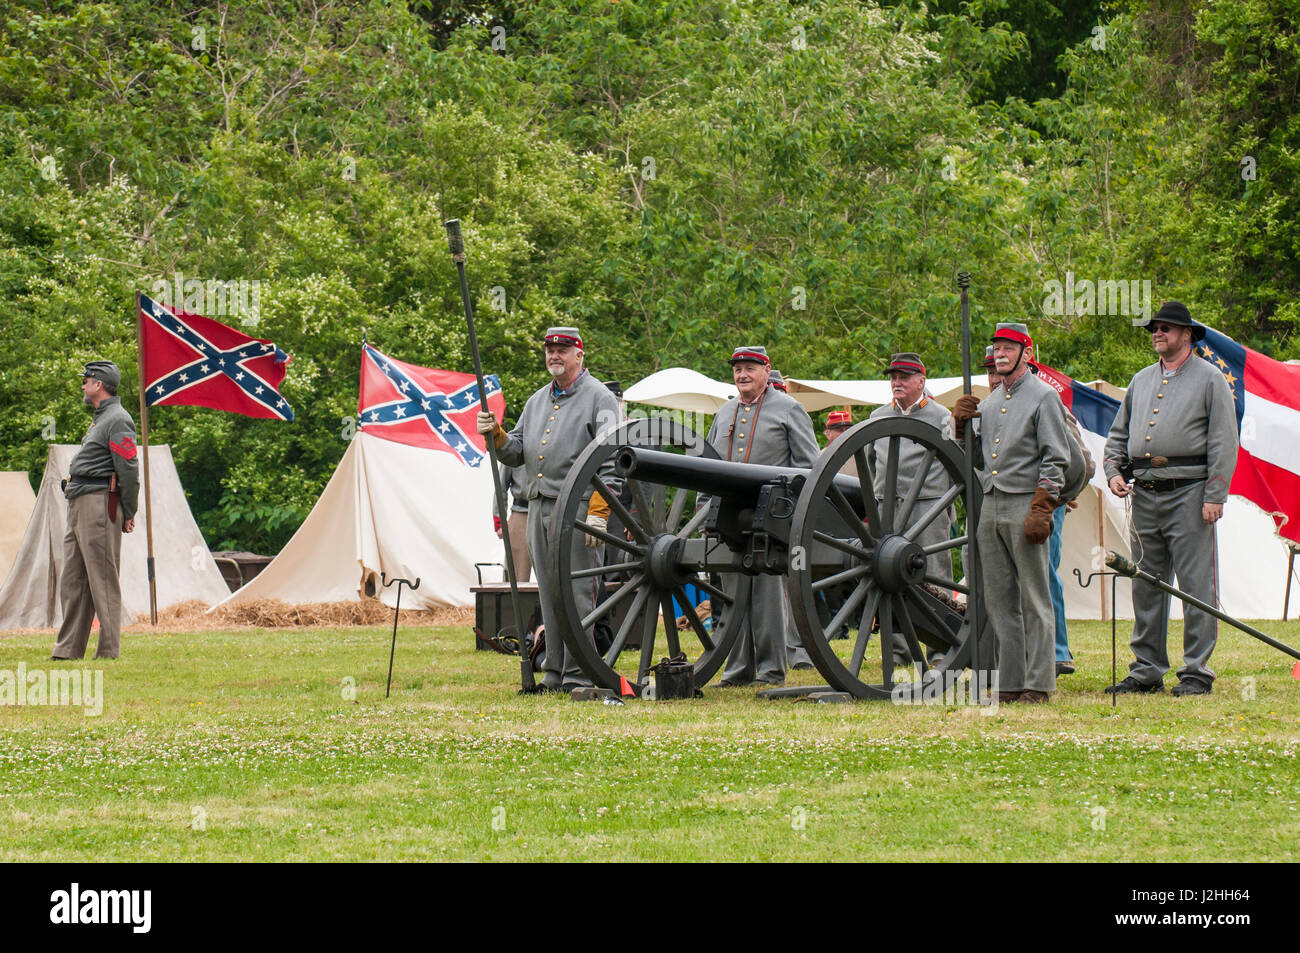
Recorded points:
(423,406)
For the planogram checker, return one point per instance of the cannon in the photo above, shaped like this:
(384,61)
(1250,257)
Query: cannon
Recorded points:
(691,517)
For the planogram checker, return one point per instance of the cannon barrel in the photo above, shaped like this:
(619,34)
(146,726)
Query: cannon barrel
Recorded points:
(733,482)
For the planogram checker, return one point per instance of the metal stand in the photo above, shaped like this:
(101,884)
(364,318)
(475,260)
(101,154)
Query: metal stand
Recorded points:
(396,612)
(1083,584)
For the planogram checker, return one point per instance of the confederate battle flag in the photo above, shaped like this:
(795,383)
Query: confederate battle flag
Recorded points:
(193,360)
(424,407)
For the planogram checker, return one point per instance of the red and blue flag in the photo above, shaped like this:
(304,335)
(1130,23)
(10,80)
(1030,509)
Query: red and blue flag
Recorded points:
(424,406)
(194,361)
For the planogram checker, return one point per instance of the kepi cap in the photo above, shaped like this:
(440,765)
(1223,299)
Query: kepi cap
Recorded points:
(752,353)
(838,418)
(777,381)
(567,336)
(105,371)
(1013,331)
(907,362)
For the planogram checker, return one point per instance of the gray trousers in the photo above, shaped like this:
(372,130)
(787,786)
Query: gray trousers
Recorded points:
(91,586)
(759,652)
(561,668)
(1016,595)
(1170,539)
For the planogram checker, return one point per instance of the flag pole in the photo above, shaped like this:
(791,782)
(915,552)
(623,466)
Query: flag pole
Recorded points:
(457,245)
(144,443)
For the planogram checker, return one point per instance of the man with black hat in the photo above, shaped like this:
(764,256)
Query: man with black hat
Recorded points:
(907,379)
(1175,436)
(102,490)
(1025,450)
(768,427)
(557,424)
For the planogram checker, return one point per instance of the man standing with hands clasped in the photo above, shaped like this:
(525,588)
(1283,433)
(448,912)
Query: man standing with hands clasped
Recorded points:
(102,489)
(557,424)
(1025,451)
(1175,436)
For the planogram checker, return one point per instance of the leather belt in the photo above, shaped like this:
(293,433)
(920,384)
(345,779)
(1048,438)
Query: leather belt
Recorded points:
(1164,486)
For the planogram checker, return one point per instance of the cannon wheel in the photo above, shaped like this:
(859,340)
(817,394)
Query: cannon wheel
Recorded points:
(643,566)
(882,572)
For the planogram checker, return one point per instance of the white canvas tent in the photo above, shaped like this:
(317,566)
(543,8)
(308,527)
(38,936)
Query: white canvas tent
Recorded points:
(679,388)
(19,501)
(389,510)
(183,565)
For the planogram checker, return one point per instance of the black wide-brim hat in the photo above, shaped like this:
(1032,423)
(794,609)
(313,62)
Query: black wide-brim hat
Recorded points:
(1175,312)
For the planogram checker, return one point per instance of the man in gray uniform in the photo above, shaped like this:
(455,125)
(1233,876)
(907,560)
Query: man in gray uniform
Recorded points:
(512,487)
(1025,451)
(102,490)
(1177,431)
(557,424)
(907,382)
(768,427)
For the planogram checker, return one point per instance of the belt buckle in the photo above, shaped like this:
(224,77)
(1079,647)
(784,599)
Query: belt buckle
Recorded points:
(1148,485)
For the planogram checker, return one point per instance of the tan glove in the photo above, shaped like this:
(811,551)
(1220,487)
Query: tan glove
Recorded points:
(596,522)
(1038,524)
(487,424)
(966,408)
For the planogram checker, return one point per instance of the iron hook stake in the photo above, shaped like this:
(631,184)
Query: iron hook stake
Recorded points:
(396,612)
(1083,584)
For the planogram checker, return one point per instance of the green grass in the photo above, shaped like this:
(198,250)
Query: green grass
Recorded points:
(249,733)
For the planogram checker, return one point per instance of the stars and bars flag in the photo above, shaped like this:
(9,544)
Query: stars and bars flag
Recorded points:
(423,406)
(192,360)
(1094,410)
(1267,393)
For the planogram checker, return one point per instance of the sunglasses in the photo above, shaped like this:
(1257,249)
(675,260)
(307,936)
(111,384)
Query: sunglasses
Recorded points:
(1164,328)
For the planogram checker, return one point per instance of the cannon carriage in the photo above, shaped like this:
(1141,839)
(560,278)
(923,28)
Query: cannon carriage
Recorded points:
(691,518)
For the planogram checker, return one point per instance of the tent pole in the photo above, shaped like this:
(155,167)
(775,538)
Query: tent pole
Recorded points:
(1290,569)
(1101,541)
(144,443)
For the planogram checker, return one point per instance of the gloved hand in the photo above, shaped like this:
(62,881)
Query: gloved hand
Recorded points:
(1038,524)
(487,424)
(966,408)
(596,522)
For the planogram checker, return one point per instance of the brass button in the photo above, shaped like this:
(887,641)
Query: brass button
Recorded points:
(539,476)
(1148,453)
(552,418)
(540,457)
(1004,410)
(1164,382)
(1160,396)
(543,443)
(556,407)
(548,429)
(995,472)
(1008,396)
(745,421)
(997,439)
(1156,410)
(995,456)
(1151,423)
(742,436)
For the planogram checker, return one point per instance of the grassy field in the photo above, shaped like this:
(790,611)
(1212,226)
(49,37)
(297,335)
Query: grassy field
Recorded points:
(245,745)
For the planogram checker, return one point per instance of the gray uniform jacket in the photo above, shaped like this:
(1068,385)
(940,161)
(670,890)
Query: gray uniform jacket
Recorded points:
(512,486)
(937,481)
(1182,413)
(554,430)
(108,448)
(776,432)
(1024,442)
